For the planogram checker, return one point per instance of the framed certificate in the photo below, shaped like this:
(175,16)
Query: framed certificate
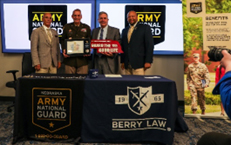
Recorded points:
(77,47)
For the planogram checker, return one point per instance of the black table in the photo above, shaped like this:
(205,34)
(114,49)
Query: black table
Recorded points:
(49,108)
(131,109)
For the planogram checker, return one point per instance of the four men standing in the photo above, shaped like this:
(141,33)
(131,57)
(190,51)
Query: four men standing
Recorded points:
(137,44)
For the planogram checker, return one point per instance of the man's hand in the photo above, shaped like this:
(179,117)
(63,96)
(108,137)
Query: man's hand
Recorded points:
(37,67)
(59,65)
(147,65)
(64,53)
(226,60)
(122,66)
(108,54)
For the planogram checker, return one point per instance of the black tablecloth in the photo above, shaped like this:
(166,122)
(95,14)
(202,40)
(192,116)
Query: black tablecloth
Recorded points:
(131,109)
(48,108)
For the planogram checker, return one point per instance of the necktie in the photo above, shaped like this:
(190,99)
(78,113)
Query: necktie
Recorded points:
(101,38)
(130,33)
(49,34)
(101,35)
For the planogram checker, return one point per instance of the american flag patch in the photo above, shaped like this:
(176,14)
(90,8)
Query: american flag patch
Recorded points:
(83,30)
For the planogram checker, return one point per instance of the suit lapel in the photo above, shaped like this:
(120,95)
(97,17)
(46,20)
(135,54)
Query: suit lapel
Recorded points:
(95,36)
(126,32)
(108,32)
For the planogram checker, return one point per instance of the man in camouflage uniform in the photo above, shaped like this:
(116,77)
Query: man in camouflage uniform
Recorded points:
(75,30)
(197,73)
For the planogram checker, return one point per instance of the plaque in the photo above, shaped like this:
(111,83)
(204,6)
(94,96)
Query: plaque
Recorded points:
(77,47)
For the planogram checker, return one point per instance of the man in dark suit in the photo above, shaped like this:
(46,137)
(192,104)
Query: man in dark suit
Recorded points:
(137,44)
(45,51)
(106,63)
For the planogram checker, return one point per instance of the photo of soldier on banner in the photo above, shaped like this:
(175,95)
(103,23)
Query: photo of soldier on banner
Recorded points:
(206,32)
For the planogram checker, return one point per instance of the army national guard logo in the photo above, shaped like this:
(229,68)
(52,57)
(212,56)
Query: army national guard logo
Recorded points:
(139,99)
(196,7)
(51,108)
(58,15)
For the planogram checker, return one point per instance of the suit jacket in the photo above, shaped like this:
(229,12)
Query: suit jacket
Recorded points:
(140,48)
(112,34)
(43,51)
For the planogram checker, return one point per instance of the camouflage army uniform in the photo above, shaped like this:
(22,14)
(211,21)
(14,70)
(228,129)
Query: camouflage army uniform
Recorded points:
(196,73)
(71,31)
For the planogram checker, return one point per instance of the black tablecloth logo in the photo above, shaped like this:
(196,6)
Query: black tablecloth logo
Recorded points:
(139,99)
(51,108)
(155,123)
(196,7)
(154,16)
(58,12)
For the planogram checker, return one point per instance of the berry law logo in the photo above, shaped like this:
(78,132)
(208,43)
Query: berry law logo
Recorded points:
(139,99)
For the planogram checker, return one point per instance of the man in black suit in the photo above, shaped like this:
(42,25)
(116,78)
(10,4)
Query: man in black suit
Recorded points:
(137,44)
(107,62)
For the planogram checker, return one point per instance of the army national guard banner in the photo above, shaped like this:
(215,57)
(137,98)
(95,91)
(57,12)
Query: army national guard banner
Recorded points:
(49,108)
(152,15)
(58,14)
(131,109)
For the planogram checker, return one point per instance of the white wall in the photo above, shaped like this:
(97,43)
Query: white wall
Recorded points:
(8,62)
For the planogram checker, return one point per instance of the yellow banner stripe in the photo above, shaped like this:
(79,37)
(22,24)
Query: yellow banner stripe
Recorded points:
(149,12)
(46,12)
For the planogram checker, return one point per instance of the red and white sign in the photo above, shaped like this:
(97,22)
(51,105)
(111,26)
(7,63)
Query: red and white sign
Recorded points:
(102,46)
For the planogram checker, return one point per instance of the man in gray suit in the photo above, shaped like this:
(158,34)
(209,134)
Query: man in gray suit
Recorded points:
(45,51)
(106,63)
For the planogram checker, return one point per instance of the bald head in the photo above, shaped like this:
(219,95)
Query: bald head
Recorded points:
(132,17)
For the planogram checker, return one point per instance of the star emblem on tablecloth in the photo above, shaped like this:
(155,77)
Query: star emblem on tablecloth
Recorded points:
(139,108)
(51,125)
